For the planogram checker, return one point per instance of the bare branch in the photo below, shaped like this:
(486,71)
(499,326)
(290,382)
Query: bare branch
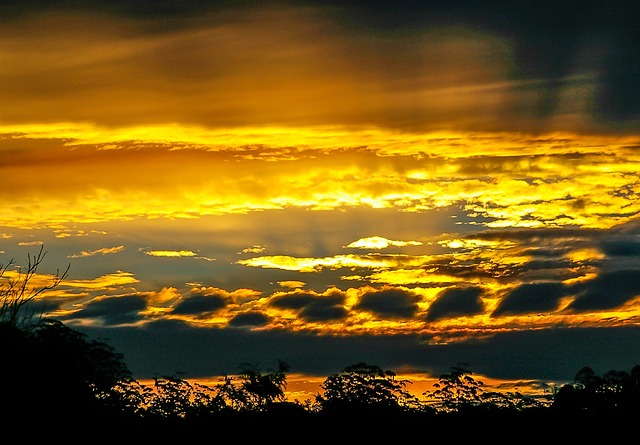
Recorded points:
(16,292)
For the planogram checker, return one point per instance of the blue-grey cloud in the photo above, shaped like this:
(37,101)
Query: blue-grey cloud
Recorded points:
(313,307)
(113,310)
(200,304)
(530,298)
(394,303)
(292,301)
(621,247)
(553,354)
(454,302)
(37,309)
(323,312)
(608,290)
(248,319)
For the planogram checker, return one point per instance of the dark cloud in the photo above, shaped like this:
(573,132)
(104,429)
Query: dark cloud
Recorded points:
(249,319)
(552,41)
(466,271)
(621,247)
(544,235)
(35,309)
(608,290)
(539,270)
(529,298)
(113,310)
(558,52)
(292,301)
(312,307)
(394,303)
(454,302)
(557,354)
(199,304)
(323,312)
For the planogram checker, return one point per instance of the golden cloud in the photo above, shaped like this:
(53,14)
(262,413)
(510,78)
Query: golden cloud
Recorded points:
(170,253)
(119,278)
(379,242)
(103,251)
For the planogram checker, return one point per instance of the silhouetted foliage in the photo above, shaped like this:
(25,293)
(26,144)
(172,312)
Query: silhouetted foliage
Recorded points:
(457,390)
(365,388)
(613,393)
(262,390)
(55,372)
(50,371)
(16,291)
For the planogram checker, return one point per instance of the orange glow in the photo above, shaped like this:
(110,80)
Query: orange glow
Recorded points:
(291,169)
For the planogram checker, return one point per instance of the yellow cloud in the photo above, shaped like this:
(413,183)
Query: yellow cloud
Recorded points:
(163,297)
(103,251)
(119,278)
(170,253)
(370,261)
(465,243)
(411,276)
(293,284)
(378,242)
(582,255)
(503,180)
(254,249)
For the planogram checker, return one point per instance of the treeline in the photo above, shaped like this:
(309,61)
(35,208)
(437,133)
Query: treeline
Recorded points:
(54,372)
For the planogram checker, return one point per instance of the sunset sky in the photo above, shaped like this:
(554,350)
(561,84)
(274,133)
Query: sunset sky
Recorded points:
(408,184)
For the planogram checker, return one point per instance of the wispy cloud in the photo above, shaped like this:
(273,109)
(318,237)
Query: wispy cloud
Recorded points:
(293,284)
(101,251)
(379,242)
(119,278)
(368,261)
(254,249)
(170,253)
(175,254)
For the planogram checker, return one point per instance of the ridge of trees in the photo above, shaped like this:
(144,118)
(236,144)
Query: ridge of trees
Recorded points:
(52,372)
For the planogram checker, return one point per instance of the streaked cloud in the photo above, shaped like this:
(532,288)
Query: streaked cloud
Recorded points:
(175,254)
(293,284)
(170,253)
(102,251)
(335,262)
(379,242)
(254,249)
(116,279)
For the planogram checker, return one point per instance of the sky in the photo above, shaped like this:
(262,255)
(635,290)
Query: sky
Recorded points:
(413,185)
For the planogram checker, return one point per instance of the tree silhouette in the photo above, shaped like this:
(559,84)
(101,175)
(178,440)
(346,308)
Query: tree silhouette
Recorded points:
(253,391)
(614,393)
(365,388)
(457,390)
(55,372)
(174,398)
